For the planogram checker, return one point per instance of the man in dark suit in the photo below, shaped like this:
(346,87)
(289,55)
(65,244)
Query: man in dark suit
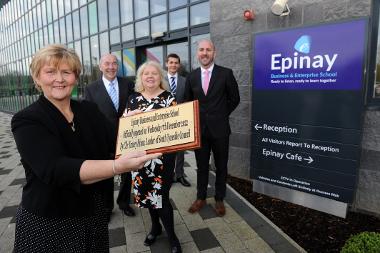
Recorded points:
(110,93)
(177,87)
(217,91)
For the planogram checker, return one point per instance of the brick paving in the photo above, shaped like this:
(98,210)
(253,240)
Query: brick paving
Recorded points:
(243,229)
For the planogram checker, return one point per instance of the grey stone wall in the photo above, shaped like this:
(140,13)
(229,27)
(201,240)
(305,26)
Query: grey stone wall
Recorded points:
(232,36)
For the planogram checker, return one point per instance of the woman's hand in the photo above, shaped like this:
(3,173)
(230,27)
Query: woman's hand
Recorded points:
(133,161)
(131,113)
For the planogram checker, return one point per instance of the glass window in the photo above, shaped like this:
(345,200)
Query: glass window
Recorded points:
(82,2)
(178,19)
(76,23)
(43,13)
(141,8)
(9,34)
(46,36)
(104,46)
(129,62)
(69,28)
(74,4)
(31,22)
(29,45)
(127,33)
(67,6)
(159,24)
(61,7)
(35,22)
(84,21)
(54,9)
(176,3)
(51,33)
(200,13)
(36,40)
(126,11)
(142,28)
(194,40)
(32,44)
(63,30)
(95,72)
(48,11)
(56,31)
(119,61)
(38,15)
(103,18)
(155,54)
(157,6)
(181,49)
(41,37)
(115,36)
(78,49)
(113,13)
(92,13)
(86,57)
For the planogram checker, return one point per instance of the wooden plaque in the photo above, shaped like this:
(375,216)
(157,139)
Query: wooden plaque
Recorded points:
(163,130)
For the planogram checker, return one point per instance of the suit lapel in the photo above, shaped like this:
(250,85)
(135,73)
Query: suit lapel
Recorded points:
(180,88)
(107,99)
(198,74)
(214,76)
(123,89)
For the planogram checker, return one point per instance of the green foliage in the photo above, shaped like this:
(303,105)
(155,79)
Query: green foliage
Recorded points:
(365,242)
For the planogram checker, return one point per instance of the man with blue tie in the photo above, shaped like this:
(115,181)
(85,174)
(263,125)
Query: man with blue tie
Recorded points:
(110,93)
(177,87)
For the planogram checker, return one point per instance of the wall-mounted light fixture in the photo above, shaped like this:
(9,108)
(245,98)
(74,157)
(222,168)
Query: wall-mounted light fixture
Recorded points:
(280,8)
(249,15)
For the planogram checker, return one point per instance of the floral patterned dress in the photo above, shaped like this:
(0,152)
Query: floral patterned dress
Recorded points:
(148,182)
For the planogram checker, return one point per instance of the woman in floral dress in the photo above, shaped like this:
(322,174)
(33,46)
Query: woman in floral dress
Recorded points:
(152,184)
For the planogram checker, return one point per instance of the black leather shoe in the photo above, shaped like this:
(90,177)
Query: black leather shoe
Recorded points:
(151,238)
(129,211)
(183,181)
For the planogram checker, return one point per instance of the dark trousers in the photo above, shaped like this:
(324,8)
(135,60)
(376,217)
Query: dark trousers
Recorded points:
(179,163)
(219,148)
(165,214)
(124,197)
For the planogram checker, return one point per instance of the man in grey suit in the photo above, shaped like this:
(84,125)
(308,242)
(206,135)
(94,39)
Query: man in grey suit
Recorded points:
(177,86)
(110,93)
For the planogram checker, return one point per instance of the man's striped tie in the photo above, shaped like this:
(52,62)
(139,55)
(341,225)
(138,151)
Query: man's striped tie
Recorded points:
(173,86)
(113,95)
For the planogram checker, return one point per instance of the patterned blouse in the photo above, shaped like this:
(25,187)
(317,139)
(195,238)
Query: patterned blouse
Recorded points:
(147,182)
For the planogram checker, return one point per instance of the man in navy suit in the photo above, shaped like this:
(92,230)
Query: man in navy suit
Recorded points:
(177,87)
(217,91)
(110,93)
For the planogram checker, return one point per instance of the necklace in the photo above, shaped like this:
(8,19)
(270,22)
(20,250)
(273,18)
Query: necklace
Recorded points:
(72,125)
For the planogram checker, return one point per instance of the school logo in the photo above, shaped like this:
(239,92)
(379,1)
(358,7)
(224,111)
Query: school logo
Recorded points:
(303,44)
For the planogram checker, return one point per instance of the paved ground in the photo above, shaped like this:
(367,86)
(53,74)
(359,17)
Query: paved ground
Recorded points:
(243,229)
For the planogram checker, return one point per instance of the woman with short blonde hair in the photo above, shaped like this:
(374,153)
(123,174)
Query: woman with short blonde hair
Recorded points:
(163,83)
(65,152)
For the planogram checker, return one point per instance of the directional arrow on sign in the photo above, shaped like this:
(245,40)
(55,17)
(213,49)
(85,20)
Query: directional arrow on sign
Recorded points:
(309,159)
(257,127)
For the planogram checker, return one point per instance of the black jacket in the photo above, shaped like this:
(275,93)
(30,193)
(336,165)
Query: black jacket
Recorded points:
(97,93)
(52,155)
(221,99)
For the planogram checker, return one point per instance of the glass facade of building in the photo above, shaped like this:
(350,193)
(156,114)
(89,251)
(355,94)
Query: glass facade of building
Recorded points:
(133,30)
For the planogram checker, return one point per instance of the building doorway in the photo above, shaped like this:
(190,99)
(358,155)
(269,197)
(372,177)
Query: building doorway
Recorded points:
(158,53)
